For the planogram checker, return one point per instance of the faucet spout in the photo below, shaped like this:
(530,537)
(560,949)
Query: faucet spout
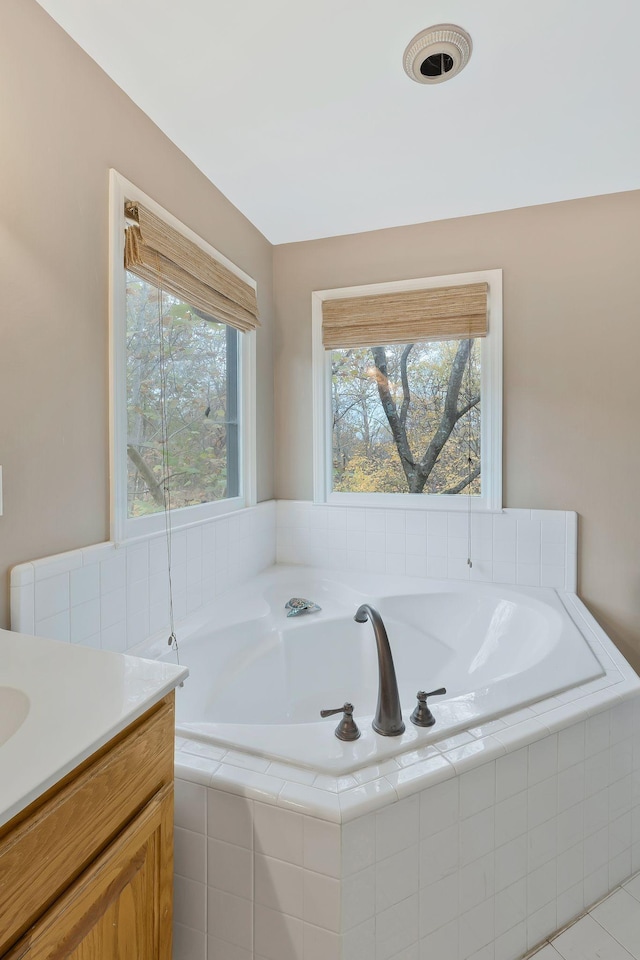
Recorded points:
(388,719)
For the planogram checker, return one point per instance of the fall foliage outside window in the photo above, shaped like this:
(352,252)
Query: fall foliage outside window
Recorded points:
(201,401)
(406,418)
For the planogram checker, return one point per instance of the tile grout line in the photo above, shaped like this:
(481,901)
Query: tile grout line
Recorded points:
(549,941)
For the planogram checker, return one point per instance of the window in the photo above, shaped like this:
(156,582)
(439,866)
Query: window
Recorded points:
(413,419)
(184,388)
(406,418)
(183,361)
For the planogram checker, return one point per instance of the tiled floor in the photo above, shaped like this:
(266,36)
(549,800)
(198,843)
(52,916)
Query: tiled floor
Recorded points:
(610,931)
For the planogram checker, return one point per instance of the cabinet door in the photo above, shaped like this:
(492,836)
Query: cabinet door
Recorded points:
(63,833)
(120,907)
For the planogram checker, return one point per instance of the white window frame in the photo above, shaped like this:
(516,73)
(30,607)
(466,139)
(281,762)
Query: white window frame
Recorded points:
(124,528)
(491,393)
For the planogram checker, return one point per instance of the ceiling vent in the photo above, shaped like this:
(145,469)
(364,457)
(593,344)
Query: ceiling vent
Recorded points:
(437,53)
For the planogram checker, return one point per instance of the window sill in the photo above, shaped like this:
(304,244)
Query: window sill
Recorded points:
(147,526)
(413,501)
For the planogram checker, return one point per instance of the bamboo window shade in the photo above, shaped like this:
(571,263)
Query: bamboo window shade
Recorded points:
(408,316)
(162,255)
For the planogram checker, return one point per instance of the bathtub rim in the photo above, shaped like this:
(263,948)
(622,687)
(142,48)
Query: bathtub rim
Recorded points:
(340,799)
(309,745)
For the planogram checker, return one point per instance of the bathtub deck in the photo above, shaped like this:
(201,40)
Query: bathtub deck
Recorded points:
(611,929)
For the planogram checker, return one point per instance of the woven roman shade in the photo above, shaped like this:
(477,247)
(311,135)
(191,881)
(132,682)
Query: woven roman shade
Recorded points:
(160,254)
(408,316)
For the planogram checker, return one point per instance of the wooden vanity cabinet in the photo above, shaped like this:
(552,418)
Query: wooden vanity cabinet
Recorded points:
(86,872)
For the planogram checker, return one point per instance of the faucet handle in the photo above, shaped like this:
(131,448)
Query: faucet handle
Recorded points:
(347,729)
(422,716)
(345,708)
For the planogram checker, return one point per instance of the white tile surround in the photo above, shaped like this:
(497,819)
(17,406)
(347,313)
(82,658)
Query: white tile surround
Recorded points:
(458,857)
(526,547)
(477,848)
(115,596)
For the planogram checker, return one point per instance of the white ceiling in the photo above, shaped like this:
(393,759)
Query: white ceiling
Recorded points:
(302,115)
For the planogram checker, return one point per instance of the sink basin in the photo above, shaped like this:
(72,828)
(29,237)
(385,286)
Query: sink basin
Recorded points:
(14,707)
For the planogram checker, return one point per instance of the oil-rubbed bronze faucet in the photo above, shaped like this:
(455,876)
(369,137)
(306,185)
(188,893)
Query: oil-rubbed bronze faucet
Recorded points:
(347,729)
(388,719)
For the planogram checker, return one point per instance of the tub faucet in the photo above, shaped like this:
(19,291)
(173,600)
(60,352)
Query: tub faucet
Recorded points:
(388,719)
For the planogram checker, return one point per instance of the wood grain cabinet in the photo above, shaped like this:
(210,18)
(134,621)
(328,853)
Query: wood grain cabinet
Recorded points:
(86,872)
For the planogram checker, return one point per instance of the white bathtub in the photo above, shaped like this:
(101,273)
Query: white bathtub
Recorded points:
(258,679)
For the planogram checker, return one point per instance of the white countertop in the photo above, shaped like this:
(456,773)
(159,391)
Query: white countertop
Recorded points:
(66,701)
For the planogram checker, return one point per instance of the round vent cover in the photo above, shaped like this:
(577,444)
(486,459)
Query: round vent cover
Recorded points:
(437,53)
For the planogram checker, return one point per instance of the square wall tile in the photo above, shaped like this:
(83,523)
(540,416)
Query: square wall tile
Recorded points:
(397,877)
(278,833)
(440,855)
(570,904)
(321,846)
(22,607)
(528,531)
(543,759)
(360,943)
(230,868)
(137,628)
(476,928)
(570,868)
(358,898)
(477,789)
(190,854)
(190,805)
(476,882)
(84,620)
(570,787)
(439,807)
(231,918)
(56,627)
(511,818)
(322,900)
(113,572)
(358,844)
(597,732)
(321,944)
(188,944)
(138,562)
(543,843)
(397,827)
(397,928)
(504,528)
(51,596)
(84,584)
(571,745)
(542,802)
(279,885)
(513,943)
(477,836)
(511,862)
(190,903)
(511,774)
(442,943)
(438,904)
(510,906)
(277,935)
(221,950)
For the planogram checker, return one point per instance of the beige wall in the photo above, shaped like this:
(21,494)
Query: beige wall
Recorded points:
(571,366)
(63,124)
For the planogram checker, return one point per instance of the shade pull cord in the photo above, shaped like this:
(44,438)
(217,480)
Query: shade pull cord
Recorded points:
(469,471)
(172,639)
